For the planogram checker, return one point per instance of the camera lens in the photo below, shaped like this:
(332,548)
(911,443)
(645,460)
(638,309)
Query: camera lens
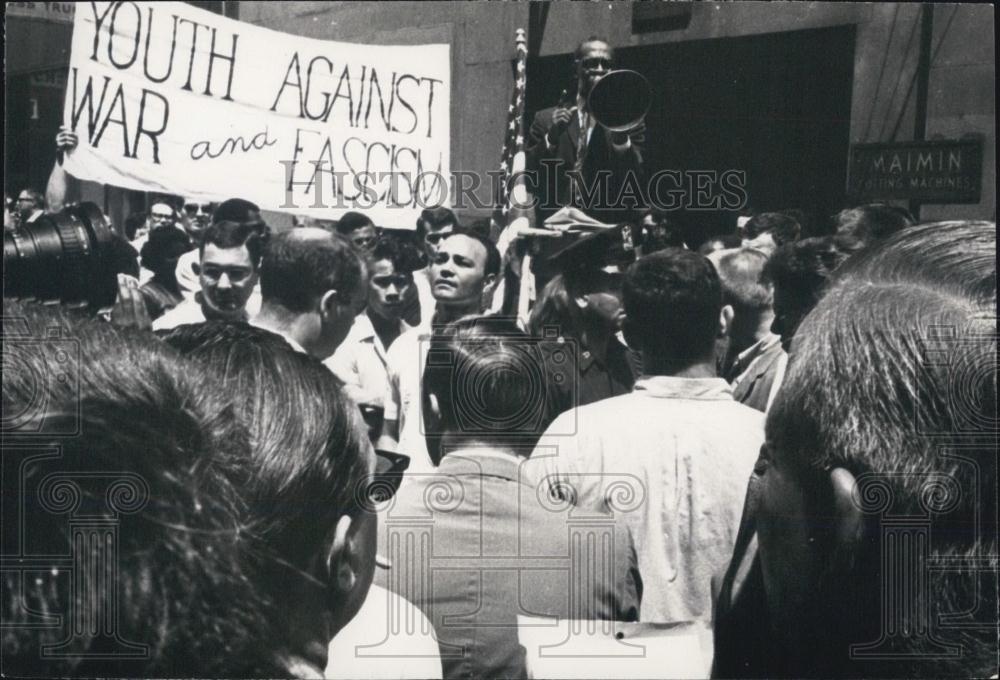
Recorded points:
(66,257)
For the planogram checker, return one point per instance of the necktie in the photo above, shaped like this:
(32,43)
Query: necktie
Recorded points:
(581,148)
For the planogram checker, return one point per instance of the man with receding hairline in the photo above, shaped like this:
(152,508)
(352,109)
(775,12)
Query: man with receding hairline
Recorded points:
(312,285)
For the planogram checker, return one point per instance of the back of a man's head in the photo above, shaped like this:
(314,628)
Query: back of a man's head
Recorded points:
(306,469)
(893,380)
(130,513)
(488,383)
(871,223)
(782,227)
(799,273)
(301,265)
(673,301)
(742,288)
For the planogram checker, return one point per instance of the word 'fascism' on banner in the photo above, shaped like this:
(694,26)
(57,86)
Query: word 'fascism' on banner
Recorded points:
(166,97)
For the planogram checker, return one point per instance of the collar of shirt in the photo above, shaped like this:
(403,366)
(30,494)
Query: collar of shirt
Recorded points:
(289,339)
(481,461)
(670,387)
(756,349)
(364,331)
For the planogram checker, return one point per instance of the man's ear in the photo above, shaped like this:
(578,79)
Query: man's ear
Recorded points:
(329,303)
(343,561)
(848,518)
(725,320)
(489,281)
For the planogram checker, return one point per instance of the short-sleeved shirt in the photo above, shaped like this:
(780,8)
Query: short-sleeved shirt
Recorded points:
(673,457)
(402,401)
(361,361)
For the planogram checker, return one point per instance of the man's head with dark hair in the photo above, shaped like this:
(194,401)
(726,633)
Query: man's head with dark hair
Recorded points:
(135,223)
(799,273)
(312,286)
(593,58)
(359,230)
(744,291)
(659,231)
(771,230)
(160,253)
(432,225)
(392,263)
(229,267)
(484,383)
(870,223)
(673,309)
(465,267)
(305,476)
(132,517)
(881,463)
(236,210)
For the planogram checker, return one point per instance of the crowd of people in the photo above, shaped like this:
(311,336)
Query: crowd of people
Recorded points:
(318,452)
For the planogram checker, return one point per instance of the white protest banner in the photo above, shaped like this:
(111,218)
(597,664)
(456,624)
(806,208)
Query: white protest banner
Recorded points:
(169,98)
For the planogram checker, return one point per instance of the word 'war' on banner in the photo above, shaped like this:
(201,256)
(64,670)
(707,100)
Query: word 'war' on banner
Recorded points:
(166,97)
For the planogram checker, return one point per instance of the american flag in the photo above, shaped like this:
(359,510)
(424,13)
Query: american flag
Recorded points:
(512,156)
(511,213)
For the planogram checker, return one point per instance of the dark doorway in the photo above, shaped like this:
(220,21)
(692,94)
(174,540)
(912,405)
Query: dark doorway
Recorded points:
(776,106)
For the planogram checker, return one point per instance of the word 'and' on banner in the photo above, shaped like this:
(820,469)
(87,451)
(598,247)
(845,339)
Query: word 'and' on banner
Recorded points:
(165,97)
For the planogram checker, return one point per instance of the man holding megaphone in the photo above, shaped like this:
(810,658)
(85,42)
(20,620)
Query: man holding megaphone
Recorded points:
(584,149)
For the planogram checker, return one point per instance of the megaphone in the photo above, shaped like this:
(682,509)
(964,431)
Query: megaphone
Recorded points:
(619,100)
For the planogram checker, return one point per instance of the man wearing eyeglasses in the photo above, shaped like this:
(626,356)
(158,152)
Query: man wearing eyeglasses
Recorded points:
(566,139)
(30,206)
(230,255)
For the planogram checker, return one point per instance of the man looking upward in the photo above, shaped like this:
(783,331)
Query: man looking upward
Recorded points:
(465,268)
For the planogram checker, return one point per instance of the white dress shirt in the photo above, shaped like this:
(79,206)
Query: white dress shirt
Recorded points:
(404,371)
(360,362)
(673,457)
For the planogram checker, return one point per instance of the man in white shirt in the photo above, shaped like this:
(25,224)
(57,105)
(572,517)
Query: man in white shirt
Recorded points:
(312,287)
(676,453)
(465,268)
(360,361)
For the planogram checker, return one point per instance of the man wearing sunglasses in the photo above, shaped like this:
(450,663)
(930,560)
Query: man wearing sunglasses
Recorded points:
(197,217)
(566,139)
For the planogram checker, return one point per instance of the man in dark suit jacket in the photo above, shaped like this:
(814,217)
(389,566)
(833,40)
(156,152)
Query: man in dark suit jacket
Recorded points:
(474,545)
(566,137)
